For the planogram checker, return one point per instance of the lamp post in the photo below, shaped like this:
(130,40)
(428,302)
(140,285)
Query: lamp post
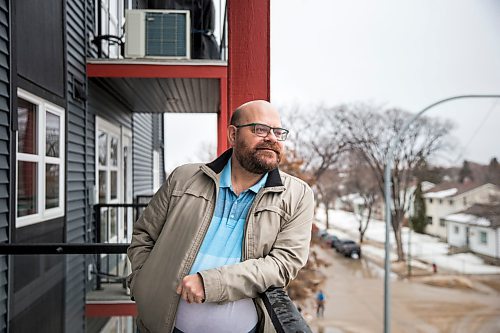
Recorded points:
(387,195)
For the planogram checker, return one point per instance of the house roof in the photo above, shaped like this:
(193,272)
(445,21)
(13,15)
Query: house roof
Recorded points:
(486,215)
(450,189)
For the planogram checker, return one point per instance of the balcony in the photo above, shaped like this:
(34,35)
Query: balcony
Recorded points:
(108,307)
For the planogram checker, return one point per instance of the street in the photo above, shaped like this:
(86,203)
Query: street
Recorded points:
(354,302)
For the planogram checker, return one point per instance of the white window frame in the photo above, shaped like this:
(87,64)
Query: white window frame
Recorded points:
(43,214)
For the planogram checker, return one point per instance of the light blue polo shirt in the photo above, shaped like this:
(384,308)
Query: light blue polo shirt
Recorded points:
(223,242)
(222,246)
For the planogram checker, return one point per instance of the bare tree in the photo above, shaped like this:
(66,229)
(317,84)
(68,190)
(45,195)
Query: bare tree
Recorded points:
(362,189)
(318,140)
(371,130)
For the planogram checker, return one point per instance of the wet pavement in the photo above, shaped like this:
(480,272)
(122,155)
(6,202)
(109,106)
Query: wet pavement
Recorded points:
(354,302)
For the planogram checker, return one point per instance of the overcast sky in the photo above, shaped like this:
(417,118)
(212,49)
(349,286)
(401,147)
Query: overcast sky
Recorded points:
(407,54)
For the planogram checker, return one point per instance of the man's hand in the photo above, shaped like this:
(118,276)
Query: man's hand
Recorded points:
(191,289)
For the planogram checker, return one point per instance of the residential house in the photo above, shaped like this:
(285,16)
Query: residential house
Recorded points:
(477,229)
(80,124)
(451,197)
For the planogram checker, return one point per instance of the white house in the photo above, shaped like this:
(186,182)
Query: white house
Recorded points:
(476,228)
(450,197)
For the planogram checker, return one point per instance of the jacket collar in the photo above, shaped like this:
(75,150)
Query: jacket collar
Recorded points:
(273,178)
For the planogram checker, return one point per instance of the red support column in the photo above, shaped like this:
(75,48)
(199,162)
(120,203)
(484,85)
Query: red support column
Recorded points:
(249,51)
(222,118)
(248,76)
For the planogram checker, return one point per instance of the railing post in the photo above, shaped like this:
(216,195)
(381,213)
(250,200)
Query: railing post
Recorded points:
(97,219)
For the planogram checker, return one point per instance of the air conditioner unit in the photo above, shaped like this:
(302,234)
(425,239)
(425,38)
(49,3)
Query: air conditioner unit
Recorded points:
(164,34)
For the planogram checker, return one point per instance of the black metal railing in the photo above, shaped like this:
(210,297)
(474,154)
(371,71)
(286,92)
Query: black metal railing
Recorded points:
(111,225)
(284,315)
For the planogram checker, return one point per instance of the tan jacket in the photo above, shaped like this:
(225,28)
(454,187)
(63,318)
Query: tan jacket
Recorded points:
(168,235)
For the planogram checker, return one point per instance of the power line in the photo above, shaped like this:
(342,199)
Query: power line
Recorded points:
(483,121)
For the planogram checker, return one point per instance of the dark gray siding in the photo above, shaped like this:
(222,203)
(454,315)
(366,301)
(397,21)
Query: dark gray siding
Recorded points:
(105,105)
(143,153)
(4,153)
(79,168)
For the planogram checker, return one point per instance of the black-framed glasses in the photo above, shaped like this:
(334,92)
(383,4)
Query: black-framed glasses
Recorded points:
(264,130)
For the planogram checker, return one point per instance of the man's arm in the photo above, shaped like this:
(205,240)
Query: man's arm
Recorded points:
(250,277)
(148,228)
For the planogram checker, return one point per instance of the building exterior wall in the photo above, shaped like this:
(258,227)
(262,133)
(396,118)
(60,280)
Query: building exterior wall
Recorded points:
(6,146)
(143,154)
(457,234)
(489,246)
(438,208)
(79,164)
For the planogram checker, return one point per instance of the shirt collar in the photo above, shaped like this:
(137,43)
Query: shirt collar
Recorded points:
(225,179)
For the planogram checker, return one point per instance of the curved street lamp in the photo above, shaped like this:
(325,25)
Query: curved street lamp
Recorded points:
(387,190)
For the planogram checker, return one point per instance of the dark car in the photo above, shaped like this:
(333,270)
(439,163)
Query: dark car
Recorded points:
(350,248)
(338,244)
(330,240)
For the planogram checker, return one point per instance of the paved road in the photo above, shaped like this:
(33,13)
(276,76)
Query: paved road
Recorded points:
(354,291)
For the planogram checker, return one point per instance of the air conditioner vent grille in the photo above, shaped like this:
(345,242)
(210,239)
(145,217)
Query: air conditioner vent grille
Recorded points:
(166,34)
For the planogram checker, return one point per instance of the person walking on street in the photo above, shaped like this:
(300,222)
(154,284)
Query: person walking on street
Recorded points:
(216,235)
(320,304)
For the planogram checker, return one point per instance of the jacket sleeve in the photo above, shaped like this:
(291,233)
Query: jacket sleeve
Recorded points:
(287,256)
(148,228)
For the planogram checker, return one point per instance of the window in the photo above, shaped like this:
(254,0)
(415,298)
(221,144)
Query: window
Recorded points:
(111,15)
(483,237)
(429,219)
(451,202)
(430,200)
(40,160)
(456,230)
(440,201)
(442,223)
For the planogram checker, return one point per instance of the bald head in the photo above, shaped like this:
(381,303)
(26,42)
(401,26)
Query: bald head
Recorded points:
(247,111)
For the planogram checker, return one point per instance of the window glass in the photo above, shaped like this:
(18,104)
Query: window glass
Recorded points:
(103,148)
(104,226)
(51,186)
(114,151)
(53,132)
(26,188)
(442,222)
(114,184)
(26,117)
(112,223)
(456,229)
(483,237)
(102,186)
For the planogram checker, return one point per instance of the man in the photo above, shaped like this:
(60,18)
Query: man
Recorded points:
(214,236)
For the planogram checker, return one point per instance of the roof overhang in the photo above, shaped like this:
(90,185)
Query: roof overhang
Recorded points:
(182,86)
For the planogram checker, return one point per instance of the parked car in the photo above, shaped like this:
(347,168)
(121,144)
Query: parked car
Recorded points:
(322,233)
(338,244)
(350,248)
(330,240)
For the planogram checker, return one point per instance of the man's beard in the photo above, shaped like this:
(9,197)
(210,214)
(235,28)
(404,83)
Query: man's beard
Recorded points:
(251,162)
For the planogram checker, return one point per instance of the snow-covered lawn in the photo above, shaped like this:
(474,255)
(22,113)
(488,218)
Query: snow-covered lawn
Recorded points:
(425,248)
